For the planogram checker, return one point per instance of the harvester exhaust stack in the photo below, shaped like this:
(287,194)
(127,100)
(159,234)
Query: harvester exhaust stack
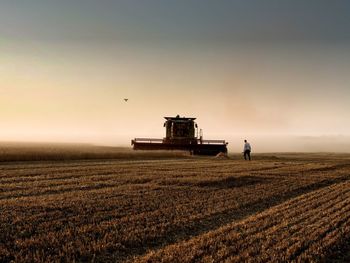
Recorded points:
(181,135)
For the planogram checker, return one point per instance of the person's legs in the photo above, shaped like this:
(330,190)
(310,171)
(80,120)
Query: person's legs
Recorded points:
(245,155)
(248,152)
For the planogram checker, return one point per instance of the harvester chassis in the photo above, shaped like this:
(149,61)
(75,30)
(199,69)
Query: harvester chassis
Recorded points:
(204,147)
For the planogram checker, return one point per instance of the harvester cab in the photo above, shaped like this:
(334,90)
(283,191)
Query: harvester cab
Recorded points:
(180,130)
(181,133)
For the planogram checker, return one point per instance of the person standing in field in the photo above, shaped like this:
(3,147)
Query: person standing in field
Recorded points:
(246,150)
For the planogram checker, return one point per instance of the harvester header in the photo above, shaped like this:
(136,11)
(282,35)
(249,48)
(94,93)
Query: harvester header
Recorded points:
(181,133)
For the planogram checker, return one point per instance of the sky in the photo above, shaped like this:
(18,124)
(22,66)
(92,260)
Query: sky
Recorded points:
(275,72)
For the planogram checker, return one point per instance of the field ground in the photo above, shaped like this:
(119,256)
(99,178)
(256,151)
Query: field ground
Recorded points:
(278,207)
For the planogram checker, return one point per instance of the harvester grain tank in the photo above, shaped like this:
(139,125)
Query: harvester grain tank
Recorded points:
(181,134)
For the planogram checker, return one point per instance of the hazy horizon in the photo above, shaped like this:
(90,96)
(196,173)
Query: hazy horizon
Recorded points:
(276,73)
(260,144)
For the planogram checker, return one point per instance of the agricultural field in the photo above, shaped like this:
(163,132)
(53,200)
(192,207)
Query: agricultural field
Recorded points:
(175,208)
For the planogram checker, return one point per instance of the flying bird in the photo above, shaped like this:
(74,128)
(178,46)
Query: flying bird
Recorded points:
(126,100)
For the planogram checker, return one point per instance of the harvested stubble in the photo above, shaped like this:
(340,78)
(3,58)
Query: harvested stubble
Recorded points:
(304,229)
(114,210)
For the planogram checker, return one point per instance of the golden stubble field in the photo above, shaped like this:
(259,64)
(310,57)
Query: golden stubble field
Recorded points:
(281,207)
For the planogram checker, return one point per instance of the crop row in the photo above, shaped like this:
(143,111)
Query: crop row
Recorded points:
(113,210)
(303,229)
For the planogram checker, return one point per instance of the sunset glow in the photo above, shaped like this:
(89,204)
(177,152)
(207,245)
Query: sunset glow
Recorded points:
(273,77)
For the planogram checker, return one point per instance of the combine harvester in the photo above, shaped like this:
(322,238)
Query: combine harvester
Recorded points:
(181,135)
